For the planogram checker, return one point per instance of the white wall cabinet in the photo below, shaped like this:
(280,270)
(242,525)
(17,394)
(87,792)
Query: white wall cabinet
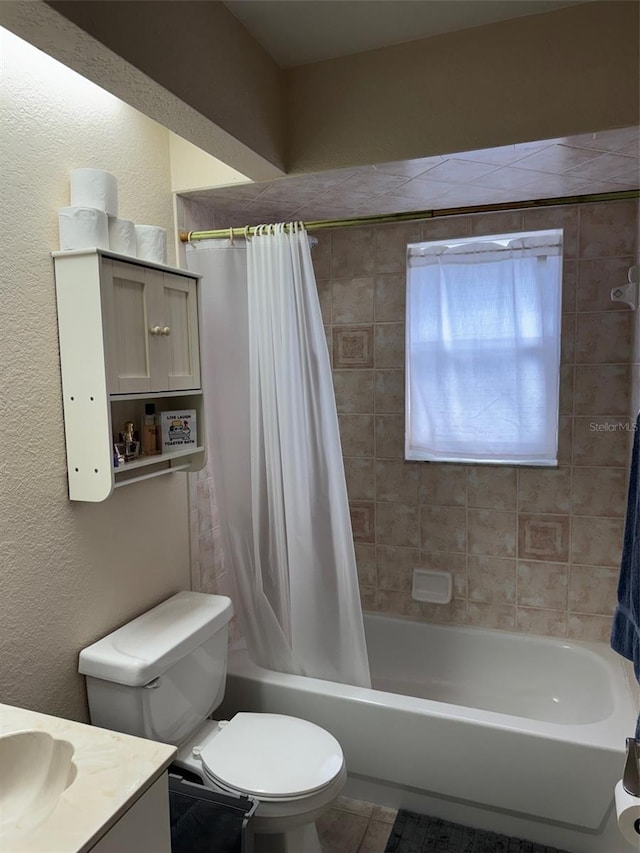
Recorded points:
(129,335)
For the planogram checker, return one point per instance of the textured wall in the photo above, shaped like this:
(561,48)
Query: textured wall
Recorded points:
(69,572)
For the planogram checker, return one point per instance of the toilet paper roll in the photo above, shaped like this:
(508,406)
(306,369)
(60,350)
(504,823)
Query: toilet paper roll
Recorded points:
(151,243)
(83,228)
(122,236)
(94,188)
(628,814)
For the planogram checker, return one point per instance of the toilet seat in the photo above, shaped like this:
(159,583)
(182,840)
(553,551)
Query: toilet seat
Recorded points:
(272,757)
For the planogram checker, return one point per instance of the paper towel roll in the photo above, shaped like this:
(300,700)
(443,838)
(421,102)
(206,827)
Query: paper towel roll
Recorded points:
(94,188)
(83,228)
(628,814)
(151,243)
(122,236)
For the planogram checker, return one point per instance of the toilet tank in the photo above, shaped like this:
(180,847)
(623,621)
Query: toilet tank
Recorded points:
(161,675)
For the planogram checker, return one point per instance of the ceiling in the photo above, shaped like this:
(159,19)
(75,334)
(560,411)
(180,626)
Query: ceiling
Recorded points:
(602,162)
(297,32)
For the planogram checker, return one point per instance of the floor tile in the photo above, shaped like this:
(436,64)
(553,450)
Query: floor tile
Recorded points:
(376,837)
(345,804)
(386,815)
(341,832)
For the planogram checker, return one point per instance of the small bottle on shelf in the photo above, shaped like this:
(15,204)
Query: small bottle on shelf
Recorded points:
(150,431)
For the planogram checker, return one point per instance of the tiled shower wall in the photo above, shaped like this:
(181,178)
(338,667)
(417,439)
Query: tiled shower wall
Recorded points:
(533,550)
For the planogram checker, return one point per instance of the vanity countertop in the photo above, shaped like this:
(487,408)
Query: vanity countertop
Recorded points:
(112,771)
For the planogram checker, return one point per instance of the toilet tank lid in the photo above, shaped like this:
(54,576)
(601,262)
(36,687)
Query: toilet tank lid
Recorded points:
(143,649)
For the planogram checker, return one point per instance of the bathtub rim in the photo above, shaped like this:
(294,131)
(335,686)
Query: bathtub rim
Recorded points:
(608,733)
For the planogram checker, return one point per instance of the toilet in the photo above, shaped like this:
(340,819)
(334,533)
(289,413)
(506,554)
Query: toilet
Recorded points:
(163,675)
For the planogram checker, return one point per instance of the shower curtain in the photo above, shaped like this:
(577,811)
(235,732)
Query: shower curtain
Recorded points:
(274,445)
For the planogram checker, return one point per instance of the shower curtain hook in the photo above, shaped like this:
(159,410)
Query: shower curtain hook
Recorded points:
(246,233)
(231,236)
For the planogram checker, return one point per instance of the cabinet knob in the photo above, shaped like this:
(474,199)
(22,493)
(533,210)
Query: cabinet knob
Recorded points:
(155,330)
(165,330)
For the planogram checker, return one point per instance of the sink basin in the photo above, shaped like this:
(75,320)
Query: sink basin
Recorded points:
(36,769)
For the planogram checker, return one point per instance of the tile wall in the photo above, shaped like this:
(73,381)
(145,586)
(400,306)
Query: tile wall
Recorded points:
(532,550)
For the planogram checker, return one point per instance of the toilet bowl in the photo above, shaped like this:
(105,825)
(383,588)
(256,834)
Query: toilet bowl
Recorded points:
(162,676)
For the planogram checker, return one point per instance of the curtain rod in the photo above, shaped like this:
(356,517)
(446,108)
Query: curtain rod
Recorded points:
(416,215)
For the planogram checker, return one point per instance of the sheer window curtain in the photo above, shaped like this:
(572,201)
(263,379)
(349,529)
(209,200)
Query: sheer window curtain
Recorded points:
(274,444)
(483,350)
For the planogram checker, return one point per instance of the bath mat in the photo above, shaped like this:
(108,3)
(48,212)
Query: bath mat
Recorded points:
(417,833)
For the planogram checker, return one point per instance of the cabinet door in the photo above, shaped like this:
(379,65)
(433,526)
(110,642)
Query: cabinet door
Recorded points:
(179,336)
(127,291)
(151,329)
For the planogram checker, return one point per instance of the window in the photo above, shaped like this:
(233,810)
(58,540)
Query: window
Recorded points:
(483,349)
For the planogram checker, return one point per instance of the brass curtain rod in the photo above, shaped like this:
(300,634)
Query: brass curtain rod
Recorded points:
(414,216)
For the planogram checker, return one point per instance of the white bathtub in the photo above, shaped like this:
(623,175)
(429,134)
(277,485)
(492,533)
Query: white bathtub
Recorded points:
(517,734)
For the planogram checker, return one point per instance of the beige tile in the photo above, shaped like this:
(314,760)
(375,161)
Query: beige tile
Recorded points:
(501,616)
(376,837)
(341,832)
(491,580)
(359,807)
(324,296)
(441,561)
(545,490)
(565,440)
(492,487)
(543,537)
(549,623)
(569,284)
(593,589)
(596,278)
(384,814)
(401,604)
(352,252)
(443,484)
(581,626)
(352,300)
(389,431)
(390,298)
(395,567)
(492,532)
(568,339)
(389,345)
(363,521)
(398,524)
(602,389)
(596,541)
(445,227)
(397,481)
(599,491)
(361,479)
(352,346)
(321,256)
(391,246)
(503,222)
(366,562)
(369,599)
(566,389)
(356,434)
(608,229)
(542,584)
(354,391)
(601,441)
(443,529)
(604,337)
(389,391)
(562,216)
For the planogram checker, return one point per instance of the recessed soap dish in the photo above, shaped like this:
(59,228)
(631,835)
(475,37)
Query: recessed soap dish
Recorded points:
(432,586)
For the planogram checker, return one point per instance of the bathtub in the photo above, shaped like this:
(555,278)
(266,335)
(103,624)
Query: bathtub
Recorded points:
(509,732)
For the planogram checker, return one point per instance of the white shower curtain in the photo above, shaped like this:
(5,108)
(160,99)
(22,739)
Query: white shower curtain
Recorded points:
(273,440)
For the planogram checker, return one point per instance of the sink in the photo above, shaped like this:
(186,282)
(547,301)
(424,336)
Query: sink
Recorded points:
(36,769)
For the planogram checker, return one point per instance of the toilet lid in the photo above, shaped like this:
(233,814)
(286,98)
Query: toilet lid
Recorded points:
(272,756)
